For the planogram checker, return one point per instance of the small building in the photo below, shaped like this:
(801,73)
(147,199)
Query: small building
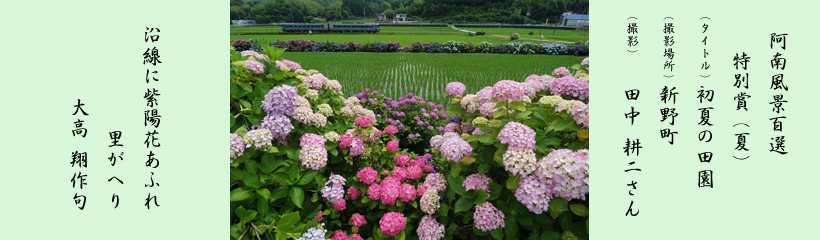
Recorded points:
(382,18)
(400,18)
(575,20)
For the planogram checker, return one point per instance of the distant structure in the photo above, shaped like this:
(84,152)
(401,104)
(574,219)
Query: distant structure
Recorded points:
(243,22)
(576,20)
(400,18)
(382,18)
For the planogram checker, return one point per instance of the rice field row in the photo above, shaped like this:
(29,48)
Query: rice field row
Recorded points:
(395,74)
(384,29)
(557,34)
(405,40)
(255,29)
(420,30)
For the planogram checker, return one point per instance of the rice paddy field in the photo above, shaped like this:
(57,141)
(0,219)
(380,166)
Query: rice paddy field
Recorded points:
(424,34)
(425,74)
(419,30)
(558,34)
(405,40)
(383,30)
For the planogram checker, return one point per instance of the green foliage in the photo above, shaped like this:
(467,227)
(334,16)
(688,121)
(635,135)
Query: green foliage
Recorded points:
(261,179)
(273,196)
(554,130)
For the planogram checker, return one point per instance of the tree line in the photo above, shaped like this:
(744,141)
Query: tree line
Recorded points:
(442,11)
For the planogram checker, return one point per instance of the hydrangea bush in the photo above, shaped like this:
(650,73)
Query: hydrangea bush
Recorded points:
(242,45)
(415,118)
(580,48)
(523,147)
(308,162)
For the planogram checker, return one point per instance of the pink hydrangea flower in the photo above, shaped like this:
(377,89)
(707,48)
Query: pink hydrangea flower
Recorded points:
(363,121)
(561,71)
(392,223)
(517,136)
(315,81)
(319,216)
(484,95)
(339,235)
(470,103)
(487,217)
(533,193)
(254,66)
(566,173)
(390,190)
(533,77)
(534,84)
(570,86)
(253,55)
(399,173)
(358,220)
(414,172)
(311,140)
(356,146)
(390,130)
(367,175)
(313,157)
(436,141)
(353,193)
(450,135)
(436,181)
(430,229)
(407,193)
(374,191)
(237,146)
(355,236)
(477,181)
(345,140)
(477,131)
(455,89)
(393,146)
(402,160)
(334,85)
(419,161)
(455,148)
(313,154)
(487,109)
(291,64)
(281,66)
(581,115)
(302,114)
(339,205)
(420,190)
(509,90)
(451,127)
(519,162)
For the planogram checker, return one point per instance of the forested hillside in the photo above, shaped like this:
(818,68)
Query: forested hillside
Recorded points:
(460,11)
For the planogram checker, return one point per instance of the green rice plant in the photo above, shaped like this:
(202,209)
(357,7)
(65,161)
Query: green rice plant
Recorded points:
(396,74)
